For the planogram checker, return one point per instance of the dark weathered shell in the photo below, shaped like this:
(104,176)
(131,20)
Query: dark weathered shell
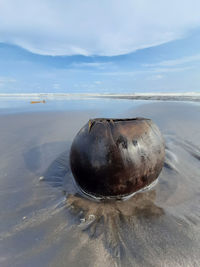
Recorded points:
(117,157)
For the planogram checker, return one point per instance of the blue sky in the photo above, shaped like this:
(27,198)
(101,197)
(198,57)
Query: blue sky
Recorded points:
(99,46)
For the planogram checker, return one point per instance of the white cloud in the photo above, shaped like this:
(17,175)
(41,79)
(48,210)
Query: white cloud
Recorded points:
(106,27)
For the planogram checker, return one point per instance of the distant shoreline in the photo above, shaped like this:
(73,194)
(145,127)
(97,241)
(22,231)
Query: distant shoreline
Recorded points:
(135,96)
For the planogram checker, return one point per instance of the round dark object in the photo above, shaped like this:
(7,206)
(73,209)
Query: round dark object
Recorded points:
(113,158)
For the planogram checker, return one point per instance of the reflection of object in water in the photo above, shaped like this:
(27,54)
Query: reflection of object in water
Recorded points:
(37,102)
(114,158)
(139,204)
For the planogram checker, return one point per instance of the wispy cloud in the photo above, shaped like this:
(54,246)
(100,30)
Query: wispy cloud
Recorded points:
(155,77)
(4,81)
(56,86)
(156,71)
(7,80)
(168,70)
(106,27)
(97,82)
(175,62)
(96,65)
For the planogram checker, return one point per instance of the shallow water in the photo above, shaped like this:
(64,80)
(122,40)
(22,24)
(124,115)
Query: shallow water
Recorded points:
(9,105)
(44,221)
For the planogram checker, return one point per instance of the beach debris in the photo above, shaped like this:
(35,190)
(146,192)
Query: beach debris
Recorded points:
(91,217)
(24,218)
(87,221)
(82,220)
(37,102)
(41,178)
(114,158)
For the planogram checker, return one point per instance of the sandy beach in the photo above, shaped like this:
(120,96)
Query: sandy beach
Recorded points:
(44,221)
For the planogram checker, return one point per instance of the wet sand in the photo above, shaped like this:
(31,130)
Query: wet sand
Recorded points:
(44,221)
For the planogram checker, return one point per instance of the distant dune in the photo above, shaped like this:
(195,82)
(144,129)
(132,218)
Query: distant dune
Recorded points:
(190,96)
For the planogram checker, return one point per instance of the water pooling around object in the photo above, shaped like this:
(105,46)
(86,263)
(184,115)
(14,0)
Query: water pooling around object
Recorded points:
(127,227)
